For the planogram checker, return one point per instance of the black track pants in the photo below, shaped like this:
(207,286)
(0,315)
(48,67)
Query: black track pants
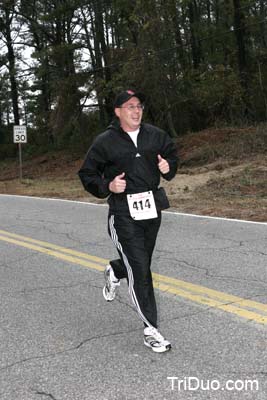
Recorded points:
(135,241)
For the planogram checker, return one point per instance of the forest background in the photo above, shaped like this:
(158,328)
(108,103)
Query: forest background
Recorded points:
(201,63)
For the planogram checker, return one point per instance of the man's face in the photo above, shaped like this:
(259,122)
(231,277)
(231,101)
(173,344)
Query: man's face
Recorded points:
(130,114)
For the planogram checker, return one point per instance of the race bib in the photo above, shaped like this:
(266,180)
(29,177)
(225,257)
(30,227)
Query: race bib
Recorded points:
(142,205)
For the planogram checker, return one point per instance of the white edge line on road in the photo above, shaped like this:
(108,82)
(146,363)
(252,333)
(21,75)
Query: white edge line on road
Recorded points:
(167,212)
(54,199)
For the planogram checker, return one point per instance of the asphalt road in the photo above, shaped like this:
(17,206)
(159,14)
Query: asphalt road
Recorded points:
(60,340)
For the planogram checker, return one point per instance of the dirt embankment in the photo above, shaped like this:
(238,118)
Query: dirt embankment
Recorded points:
(223,172)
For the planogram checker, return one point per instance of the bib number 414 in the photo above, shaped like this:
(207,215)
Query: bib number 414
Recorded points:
(142,205)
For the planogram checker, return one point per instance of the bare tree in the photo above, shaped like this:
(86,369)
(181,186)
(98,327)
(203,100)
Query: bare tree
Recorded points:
(7,12)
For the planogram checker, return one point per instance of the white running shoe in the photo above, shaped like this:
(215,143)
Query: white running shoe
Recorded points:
(109,290)
(155,341)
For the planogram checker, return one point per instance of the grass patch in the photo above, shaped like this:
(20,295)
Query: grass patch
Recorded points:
(250,182)
(205,147)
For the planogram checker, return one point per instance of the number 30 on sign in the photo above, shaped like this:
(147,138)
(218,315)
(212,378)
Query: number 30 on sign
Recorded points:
(19,134)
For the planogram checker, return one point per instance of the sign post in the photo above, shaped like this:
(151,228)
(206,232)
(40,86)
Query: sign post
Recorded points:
(20,136)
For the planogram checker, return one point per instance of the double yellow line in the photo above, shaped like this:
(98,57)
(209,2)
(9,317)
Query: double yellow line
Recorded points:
(245,308)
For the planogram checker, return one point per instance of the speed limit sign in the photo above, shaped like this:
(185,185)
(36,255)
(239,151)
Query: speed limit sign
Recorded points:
(19,134)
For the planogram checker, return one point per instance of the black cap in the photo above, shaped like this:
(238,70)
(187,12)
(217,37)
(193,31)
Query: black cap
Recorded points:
(127,95)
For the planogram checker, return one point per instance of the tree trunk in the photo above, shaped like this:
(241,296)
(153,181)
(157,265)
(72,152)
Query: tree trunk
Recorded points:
(263,15)
(11,67)
(239,24)
(103,53)
(196,52)
(240,34)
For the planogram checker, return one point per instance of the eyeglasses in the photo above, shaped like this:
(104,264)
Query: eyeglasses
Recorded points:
(131,107)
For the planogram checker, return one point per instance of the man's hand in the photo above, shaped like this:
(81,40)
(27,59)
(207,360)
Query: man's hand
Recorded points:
(163,165)
(118,184)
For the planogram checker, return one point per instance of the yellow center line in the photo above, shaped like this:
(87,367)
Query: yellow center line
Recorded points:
(55,247)
(196,293)
(54,253)
(261,319)
(211,292)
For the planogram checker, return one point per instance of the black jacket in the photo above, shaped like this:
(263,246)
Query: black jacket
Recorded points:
(114,152)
